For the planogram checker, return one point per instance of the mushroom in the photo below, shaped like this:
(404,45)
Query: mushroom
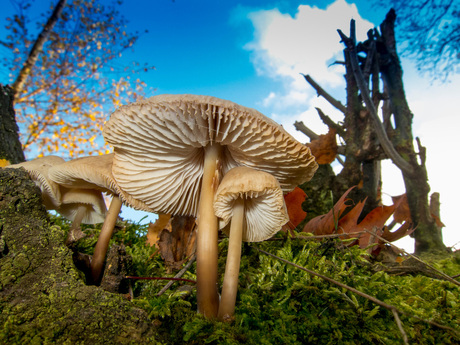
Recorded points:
(170,151)
(79,206)
(95,173)
(252,201)
(38,172)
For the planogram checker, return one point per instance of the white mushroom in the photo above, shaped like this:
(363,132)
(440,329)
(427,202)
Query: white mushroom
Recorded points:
(171,150)
(253,202)
(95,173)
(79,206)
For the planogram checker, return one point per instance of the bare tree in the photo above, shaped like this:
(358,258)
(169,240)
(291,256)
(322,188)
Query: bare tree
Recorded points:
(371,67)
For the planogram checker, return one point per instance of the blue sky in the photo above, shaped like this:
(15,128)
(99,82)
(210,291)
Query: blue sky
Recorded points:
(252,52)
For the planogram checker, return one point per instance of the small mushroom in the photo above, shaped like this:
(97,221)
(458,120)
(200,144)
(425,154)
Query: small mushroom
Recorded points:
(79,206)
(252,202)
(94,173)
(171,150)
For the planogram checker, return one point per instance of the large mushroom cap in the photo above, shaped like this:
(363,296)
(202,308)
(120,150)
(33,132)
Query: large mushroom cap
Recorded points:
(264,208)
(38,170)
(92,172)
(159,148)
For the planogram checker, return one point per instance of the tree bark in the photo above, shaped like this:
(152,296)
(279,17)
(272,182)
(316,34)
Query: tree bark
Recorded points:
(10,146)
(427,236)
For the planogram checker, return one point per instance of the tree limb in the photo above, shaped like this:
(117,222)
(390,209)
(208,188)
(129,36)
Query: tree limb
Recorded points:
(331,124)
(387,146)
(320,91)
(300,126)
(37,48)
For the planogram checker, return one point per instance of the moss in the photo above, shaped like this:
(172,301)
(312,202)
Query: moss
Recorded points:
(43,299)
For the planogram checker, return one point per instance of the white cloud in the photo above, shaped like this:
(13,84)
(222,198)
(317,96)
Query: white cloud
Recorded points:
(285,46)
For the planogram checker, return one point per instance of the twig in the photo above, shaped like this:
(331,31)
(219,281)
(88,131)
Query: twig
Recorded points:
(330,236)
(387,146)
(399,324)
(160,278)
(37,48)
(320,91)
(331,124)
(362,294)
(178,275)
(300,126)
(416,258)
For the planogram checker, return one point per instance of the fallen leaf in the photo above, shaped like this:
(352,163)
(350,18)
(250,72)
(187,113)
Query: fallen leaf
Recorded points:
(178,243)
(294,201)
(439,224)
(327,223)
(371,227)
(155,229)
(375,219)
(404,230)
(402,211)
(325,147)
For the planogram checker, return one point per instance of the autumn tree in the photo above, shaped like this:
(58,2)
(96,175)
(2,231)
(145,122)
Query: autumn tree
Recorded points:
(66,78)
(374,82)
(432,42)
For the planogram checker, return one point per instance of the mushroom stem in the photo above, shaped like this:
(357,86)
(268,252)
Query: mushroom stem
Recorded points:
(207,236)
(100,251)
(75,232)
(232,267)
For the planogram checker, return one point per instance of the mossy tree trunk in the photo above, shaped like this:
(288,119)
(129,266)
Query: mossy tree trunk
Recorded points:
(428,237)
(43,297)
(10,146)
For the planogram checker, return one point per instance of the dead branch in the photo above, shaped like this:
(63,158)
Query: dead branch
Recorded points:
(442,274)
(37,48)
(387,146)
(315,237)
(178,275)
(300,126)
(331,124)
(320,91)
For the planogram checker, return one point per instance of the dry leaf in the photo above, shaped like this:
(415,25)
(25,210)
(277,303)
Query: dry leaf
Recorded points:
(402,211)
(155,229)
(178,243)
(294,202)
(375,219)
(327,223)
(404,230)
(371,226)
(439,224)
(325,147)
